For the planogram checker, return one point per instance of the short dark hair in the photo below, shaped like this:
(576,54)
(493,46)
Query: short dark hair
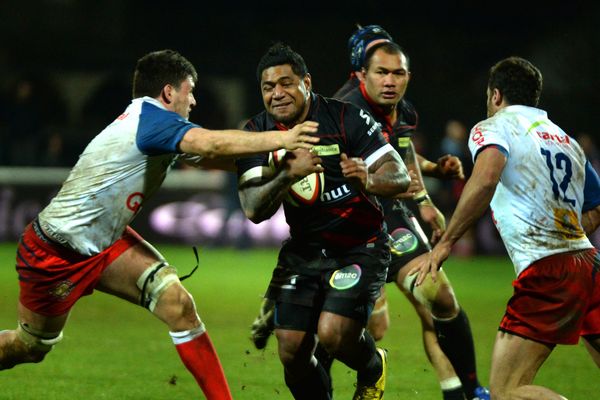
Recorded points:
(280,54)
(159,68)
(519,81)
(388,48)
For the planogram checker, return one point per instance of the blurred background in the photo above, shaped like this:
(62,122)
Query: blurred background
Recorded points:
(66,69)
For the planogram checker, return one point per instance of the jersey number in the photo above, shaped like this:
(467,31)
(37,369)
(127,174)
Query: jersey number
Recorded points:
(561,161)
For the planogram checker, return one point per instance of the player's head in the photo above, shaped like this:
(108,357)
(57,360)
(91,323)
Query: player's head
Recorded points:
(168,76)
(386,74)
(361,40)
(513,81)
(285,84)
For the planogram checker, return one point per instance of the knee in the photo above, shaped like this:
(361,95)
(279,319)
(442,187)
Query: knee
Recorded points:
(176,306)
(290,350)
(378,326)
(445,305)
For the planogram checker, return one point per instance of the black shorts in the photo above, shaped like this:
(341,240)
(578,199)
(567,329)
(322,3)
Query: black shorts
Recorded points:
(308,281)
(408,242)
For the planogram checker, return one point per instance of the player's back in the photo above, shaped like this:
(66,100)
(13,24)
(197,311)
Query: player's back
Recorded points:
(537,204)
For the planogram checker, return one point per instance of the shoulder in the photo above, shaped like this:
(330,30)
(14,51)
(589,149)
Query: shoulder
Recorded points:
(257,123)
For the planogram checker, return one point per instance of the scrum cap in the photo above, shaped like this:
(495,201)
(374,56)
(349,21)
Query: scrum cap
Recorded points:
(358,42)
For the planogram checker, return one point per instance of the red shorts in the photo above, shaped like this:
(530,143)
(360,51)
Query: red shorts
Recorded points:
(556,299)
(52,278)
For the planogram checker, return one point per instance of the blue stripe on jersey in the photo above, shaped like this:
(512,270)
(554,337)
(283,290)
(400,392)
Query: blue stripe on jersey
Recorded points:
(591,190)
(160,131)
(496,146)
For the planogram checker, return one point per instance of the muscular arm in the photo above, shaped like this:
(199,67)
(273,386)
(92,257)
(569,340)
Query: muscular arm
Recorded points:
(473,202)
(591,220)
(230,143)
(387,176)
(260,198)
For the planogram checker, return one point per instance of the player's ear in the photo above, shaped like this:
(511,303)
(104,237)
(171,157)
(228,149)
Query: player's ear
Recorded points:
(307,82)
(166,94)
(361,74)
(497,97)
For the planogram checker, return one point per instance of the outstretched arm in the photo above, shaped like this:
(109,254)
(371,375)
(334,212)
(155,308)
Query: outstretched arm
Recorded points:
(473,202)
(234,143)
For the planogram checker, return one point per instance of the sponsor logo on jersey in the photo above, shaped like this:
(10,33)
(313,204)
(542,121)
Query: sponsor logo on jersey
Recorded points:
(335,194)
(403,241)
(329,150)
(134,201)
(403,142)
(477,136)
(346,277)
(553,137)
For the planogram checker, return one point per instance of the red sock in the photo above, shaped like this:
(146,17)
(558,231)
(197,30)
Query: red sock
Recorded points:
(199,356)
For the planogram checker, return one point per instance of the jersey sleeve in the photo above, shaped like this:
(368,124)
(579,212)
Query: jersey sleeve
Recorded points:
(160,131)
(488,133)
(364,135)
(251,167)
(591,190)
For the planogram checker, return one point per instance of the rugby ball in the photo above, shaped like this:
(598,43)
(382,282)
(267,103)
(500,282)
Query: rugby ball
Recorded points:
(307,190)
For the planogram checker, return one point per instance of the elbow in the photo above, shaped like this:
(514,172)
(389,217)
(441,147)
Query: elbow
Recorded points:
(254,216)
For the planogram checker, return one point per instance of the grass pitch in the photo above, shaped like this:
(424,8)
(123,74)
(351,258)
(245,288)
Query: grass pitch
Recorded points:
(116,350)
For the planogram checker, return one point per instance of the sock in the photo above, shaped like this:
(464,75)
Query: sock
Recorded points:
(452,389)
(315,385)
(370,370)
(200,358)
(456,341)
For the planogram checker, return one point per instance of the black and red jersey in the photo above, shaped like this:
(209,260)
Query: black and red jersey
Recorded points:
(343,216)
(397,134)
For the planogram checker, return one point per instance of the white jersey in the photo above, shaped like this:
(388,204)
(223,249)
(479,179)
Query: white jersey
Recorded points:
(537,203)
(119,170)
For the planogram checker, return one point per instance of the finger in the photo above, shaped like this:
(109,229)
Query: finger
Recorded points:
(343,157)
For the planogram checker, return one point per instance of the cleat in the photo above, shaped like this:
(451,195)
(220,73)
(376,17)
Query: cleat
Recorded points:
(263,325)
(481,393)
(374,391)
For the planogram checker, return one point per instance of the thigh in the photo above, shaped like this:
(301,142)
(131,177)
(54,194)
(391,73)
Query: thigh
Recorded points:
(121,276)
(515,361)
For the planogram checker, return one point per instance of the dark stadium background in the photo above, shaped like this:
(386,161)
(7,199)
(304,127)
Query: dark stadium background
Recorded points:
(81,54)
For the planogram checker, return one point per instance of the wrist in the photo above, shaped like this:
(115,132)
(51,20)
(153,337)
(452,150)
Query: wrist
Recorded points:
(423,200)
(421,196)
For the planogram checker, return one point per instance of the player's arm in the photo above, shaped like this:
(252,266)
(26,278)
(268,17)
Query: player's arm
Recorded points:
(231,143)
(590,217)
(473,202)
(591,220)
(430,214)
(262,190)
(385,175)
(446,167)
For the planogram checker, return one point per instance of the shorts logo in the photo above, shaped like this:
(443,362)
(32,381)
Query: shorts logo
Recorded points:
(403,241)
(346,277)
(62,290)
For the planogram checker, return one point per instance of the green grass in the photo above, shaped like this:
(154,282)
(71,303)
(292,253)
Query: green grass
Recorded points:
(115,350)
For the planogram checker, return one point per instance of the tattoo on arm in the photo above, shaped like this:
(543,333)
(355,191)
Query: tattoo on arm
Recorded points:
(261,198)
